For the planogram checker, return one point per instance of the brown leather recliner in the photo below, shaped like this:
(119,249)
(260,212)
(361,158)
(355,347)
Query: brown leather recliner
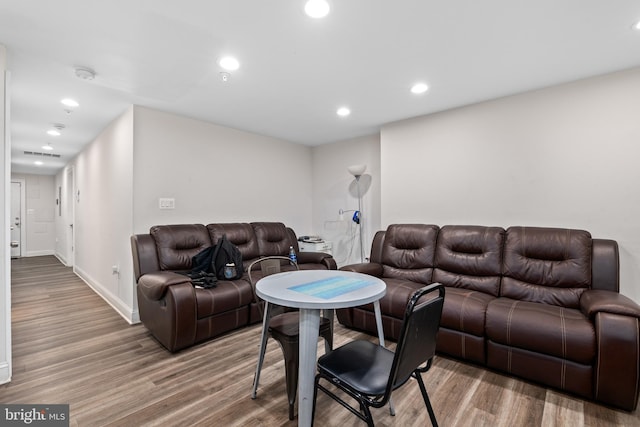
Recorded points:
(539,303)
(179,315)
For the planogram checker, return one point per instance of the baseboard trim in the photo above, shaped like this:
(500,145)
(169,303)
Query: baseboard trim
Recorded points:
(5,373)
(131,316)
(61,259)
(39,253)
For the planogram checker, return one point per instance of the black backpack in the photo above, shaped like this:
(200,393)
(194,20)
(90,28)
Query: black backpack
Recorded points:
(201,262)
(201,274)
(226,253)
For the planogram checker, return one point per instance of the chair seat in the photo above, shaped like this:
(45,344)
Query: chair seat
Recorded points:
(366,368)
(287,324)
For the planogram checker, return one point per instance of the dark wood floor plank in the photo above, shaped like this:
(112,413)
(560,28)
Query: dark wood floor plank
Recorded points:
(69,346)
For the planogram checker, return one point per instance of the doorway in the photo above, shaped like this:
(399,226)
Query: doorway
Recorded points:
(18,230)
(68,213)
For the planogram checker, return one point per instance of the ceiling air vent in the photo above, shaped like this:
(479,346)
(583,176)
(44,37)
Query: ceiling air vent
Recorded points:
(35,153)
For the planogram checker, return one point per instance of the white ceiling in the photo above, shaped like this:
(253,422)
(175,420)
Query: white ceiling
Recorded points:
(295,71)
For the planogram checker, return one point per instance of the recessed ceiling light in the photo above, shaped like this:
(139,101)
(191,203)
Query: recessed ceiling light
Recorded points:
(637,25)
(419,88)
(343,111)
(229,63)
(68,102)
(38,163)
(317,8)
(47,147)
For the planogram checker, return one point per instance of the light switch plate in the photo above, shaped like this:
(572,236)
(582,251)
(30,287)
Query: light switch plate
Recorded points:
(167,203)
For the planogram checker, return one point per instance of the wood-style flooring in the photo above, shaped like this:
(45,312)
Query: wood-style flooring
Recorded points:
(69,346)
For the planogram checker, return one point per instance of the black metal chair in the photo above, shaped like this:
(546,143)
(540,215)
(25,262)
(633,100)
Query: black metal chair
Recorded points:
(283,326)
(369,373)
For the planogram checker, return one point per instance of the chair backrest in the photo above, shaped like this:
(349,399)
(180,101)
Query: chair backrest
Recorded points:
(417,341)
(268,265)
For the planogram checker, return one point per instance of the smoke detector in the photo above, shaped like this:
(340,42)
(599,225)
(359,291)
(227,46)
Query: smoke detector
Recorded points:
(85,73)
(56,129)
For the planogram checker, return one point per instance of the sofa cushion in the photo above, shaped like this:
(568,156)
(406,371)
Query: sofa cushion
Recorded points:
(227,295)
(177,244)
(541,328)
(465,310)
(408,252)
(547,265)
(470,257)
(241,235)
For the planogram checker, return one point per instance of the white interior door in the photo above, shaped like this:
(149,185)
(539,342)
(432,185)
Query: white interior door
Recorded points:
(16,219)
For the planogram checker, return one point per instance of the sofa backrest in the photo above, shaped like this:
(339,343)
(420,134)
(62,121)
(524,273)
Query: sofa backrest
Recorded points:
(172,247)
(547,265)
(376,247)
(241,235)
(177,244)
(470,257)
(408,252)
(273,238)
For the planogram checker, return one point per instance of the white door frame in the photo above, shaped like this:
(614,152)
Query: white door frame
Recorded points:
(70,209)
(23,217)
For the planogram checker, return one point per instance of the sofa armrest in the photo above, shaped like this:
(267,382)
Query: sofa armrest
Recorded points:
(618,360)
(317,258)
(616,324)
(172,320)
(370,268)
(595,301)
(154,285)
(145,258)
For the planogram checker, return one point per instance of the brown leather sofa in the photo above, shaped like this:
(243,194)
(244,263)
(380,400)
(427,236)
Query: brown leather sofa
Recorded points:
(539,303)
(179,315)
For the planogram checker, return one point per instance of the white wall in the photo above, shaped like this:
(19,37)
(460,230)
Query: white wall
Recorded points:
(103,214)
(333,189)
(216,174)
(565,156)
(40,210)
(5,253)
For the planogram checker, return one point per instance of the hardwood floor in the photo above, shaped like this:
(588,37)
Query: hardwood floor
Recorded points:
(69,346)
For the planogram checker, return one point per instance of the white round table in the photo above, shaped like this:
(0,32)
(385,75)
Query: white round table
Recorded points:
(312,291)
